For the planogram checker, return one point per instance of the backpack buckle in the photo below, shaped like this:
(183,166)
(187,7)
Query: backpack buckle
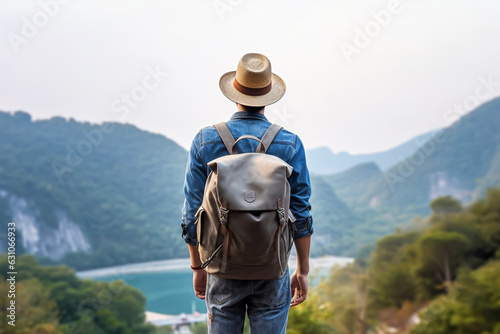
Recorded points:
(223,215)
(281,214)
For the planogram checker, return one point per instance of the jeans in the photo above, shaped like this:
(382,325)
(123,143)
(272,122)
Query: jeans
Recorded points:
(266,301)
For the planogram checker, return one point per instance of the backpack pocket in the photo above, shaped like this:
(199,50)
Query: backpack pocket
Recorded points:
(253,233)
(201,232)
(206,235)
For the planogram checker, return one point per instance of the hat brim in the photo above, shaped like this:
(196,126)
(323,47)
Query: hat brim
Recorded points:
(277,91)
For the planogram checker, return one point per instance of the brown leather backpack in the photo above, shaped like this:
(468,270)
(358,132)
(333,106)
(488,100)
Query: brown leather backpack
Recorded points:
(244,221)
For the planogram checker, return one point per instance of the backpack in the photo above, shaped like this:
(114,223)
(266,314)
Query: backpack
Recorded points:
(244,222)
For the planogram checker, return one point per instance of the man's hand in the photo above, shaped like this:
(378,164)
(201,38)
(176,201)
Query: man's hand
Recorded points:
(199,275)
(299,286)
(199,282)
(298,281)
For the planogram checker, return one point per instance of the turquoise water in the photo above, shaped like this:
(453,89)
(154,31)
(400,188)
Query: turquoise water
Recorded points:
(171,292)
(168,292)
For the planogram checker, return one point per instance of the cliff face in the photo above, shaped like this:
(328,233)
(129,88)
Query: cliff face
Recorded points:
(45,239)
(442,184)
(87,197)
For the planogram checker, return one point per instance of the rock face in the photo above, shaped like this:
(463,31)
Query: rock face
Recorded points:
(53,240)
(442,184)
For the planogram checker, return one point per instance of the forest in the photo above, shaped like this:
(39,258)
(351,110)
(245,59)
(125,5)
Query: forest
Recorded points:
(53,300)
(439,275)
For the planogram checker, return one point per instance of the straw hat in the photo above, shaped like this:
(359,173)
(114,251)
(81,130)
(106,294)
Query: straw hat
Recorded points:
(252,84)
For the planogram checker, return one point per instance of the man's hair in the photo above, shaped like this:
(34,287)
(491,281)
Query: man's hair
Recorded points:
(253,109)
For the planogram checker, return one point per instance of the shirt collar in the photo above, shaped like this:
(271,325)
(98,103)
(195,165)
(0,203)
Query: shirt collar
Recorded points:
(248,115)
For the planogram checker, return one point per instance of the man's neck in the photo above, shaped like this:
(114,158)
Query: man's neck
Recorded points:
(242,108)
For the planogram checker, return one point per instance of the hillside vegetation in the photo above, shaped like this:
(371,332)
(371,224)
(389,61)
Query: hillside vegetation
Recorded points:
(441,277)
(52,300)
(125,193)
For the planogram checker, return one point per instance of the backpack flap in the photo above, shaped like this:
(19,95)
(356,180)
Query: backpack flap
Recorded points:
(251,181)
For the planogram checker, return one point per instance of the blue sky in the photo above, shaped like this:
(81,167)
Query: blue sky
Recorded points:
(362,76)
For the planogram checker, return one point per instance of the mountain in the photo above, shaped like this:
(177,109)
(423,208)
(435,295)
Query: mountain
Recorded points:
(461,161)
(352,182)
(90,195)
(333,221)
(322,161)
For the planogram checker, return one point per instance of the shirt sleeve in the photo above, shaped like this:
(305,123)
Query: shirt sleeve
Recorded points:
(300,186)
(194,185)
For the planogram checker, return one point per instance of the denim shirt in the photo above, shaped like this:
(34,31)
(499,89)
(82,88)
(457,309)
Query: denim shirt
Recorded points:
(207,146)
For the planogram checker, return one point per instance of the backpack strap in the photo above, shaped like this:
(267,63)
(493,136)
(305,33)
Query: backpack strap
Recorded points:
(268,137)
(260,148)
(225,135)
(229,142)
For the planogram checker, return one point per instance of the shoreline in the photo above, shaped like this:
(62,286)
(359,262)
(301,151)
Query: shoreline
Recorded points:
(318,263)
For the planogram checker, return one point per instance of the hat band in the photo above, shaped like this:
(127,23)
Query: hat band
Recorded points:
(251,91)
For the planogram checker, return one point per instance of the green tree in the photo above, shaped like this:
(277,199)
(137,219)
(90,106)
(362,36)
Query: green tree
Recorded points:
(487,213)
(390,270)
(472,305)
(34,311)
(52,300)
(445,205)
(442,252)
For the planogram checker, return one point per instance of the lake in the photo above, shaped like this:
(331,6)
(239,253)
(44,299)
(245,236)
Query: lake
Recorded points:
(168,285)
(168,292)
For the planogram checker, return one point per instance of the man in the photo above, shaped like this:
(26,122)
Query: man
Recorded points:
(252,87)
